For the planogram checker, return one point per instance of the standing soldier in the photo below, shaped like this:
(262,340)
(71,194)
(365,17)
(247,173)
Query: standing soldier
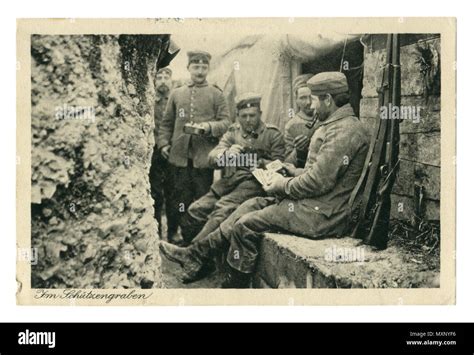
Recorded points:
(160,174)
(246,145)
(300,128)
(204,105)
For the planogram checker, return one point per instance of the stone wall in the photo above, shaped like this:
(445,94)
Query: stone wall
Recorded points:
(289,262)
(420,147)
(92,138)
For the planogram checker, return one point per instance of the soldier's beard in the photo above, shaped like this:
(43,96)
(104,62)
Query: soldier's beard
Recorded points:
(323,113)
(323,116)
(308,111)
(163,89)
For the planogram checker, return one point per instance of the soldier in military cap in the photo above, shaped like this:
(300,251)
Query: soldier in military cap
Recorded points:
(161,179)
(312,202)
(203,104)
(248,144)
(300,127)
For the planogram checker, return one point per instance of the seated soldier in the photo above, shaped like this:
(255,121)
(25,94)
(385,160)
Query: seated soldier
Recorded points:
(246,145)
(300,128)
(313,203)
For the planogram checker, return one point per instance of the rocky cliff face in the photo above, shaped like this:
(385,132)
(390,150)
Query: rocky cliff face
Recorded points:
(92,139)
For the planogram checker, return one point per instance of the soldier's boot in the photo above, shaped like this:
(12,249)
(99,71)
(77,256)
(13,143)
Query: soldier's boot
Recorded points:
(184,257)
(236,279)
(190,227)
(196,259)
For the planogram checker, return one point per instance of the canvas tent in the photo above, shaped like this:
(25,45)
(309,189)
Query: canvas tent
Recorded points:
(268,63)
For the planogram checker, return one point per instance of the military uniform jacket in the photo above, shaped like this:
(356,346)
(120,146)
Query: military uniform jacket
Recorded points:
(295,127)
(269,145)
(160,109)
(193,103)
(335,161)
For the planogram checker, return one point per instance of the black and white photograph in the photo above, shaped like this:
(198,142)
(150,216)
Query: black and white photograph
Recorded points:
(243,164)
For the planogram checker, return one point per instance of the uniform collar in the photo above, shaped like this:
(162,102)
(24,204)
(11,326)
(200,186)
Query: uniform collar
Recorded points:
(341,112)
(190,83)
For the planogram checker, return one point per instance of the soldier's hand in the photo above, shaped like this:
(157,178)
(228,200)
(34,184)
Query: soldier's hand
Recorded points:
(276,184)
(205,126)
(235,149)
(165,151)
(290,168)
(301,142)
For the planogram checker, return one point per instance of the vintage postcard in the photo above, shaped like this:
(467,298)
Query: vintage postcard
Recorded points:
(236,161)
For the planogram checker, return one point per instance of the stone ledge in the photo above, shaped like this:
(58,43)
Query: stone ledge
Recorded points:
(291,262)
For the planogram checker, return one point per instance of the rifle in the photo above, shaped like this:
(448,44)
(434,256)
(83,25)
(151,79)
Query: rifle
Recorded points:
(371,213)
